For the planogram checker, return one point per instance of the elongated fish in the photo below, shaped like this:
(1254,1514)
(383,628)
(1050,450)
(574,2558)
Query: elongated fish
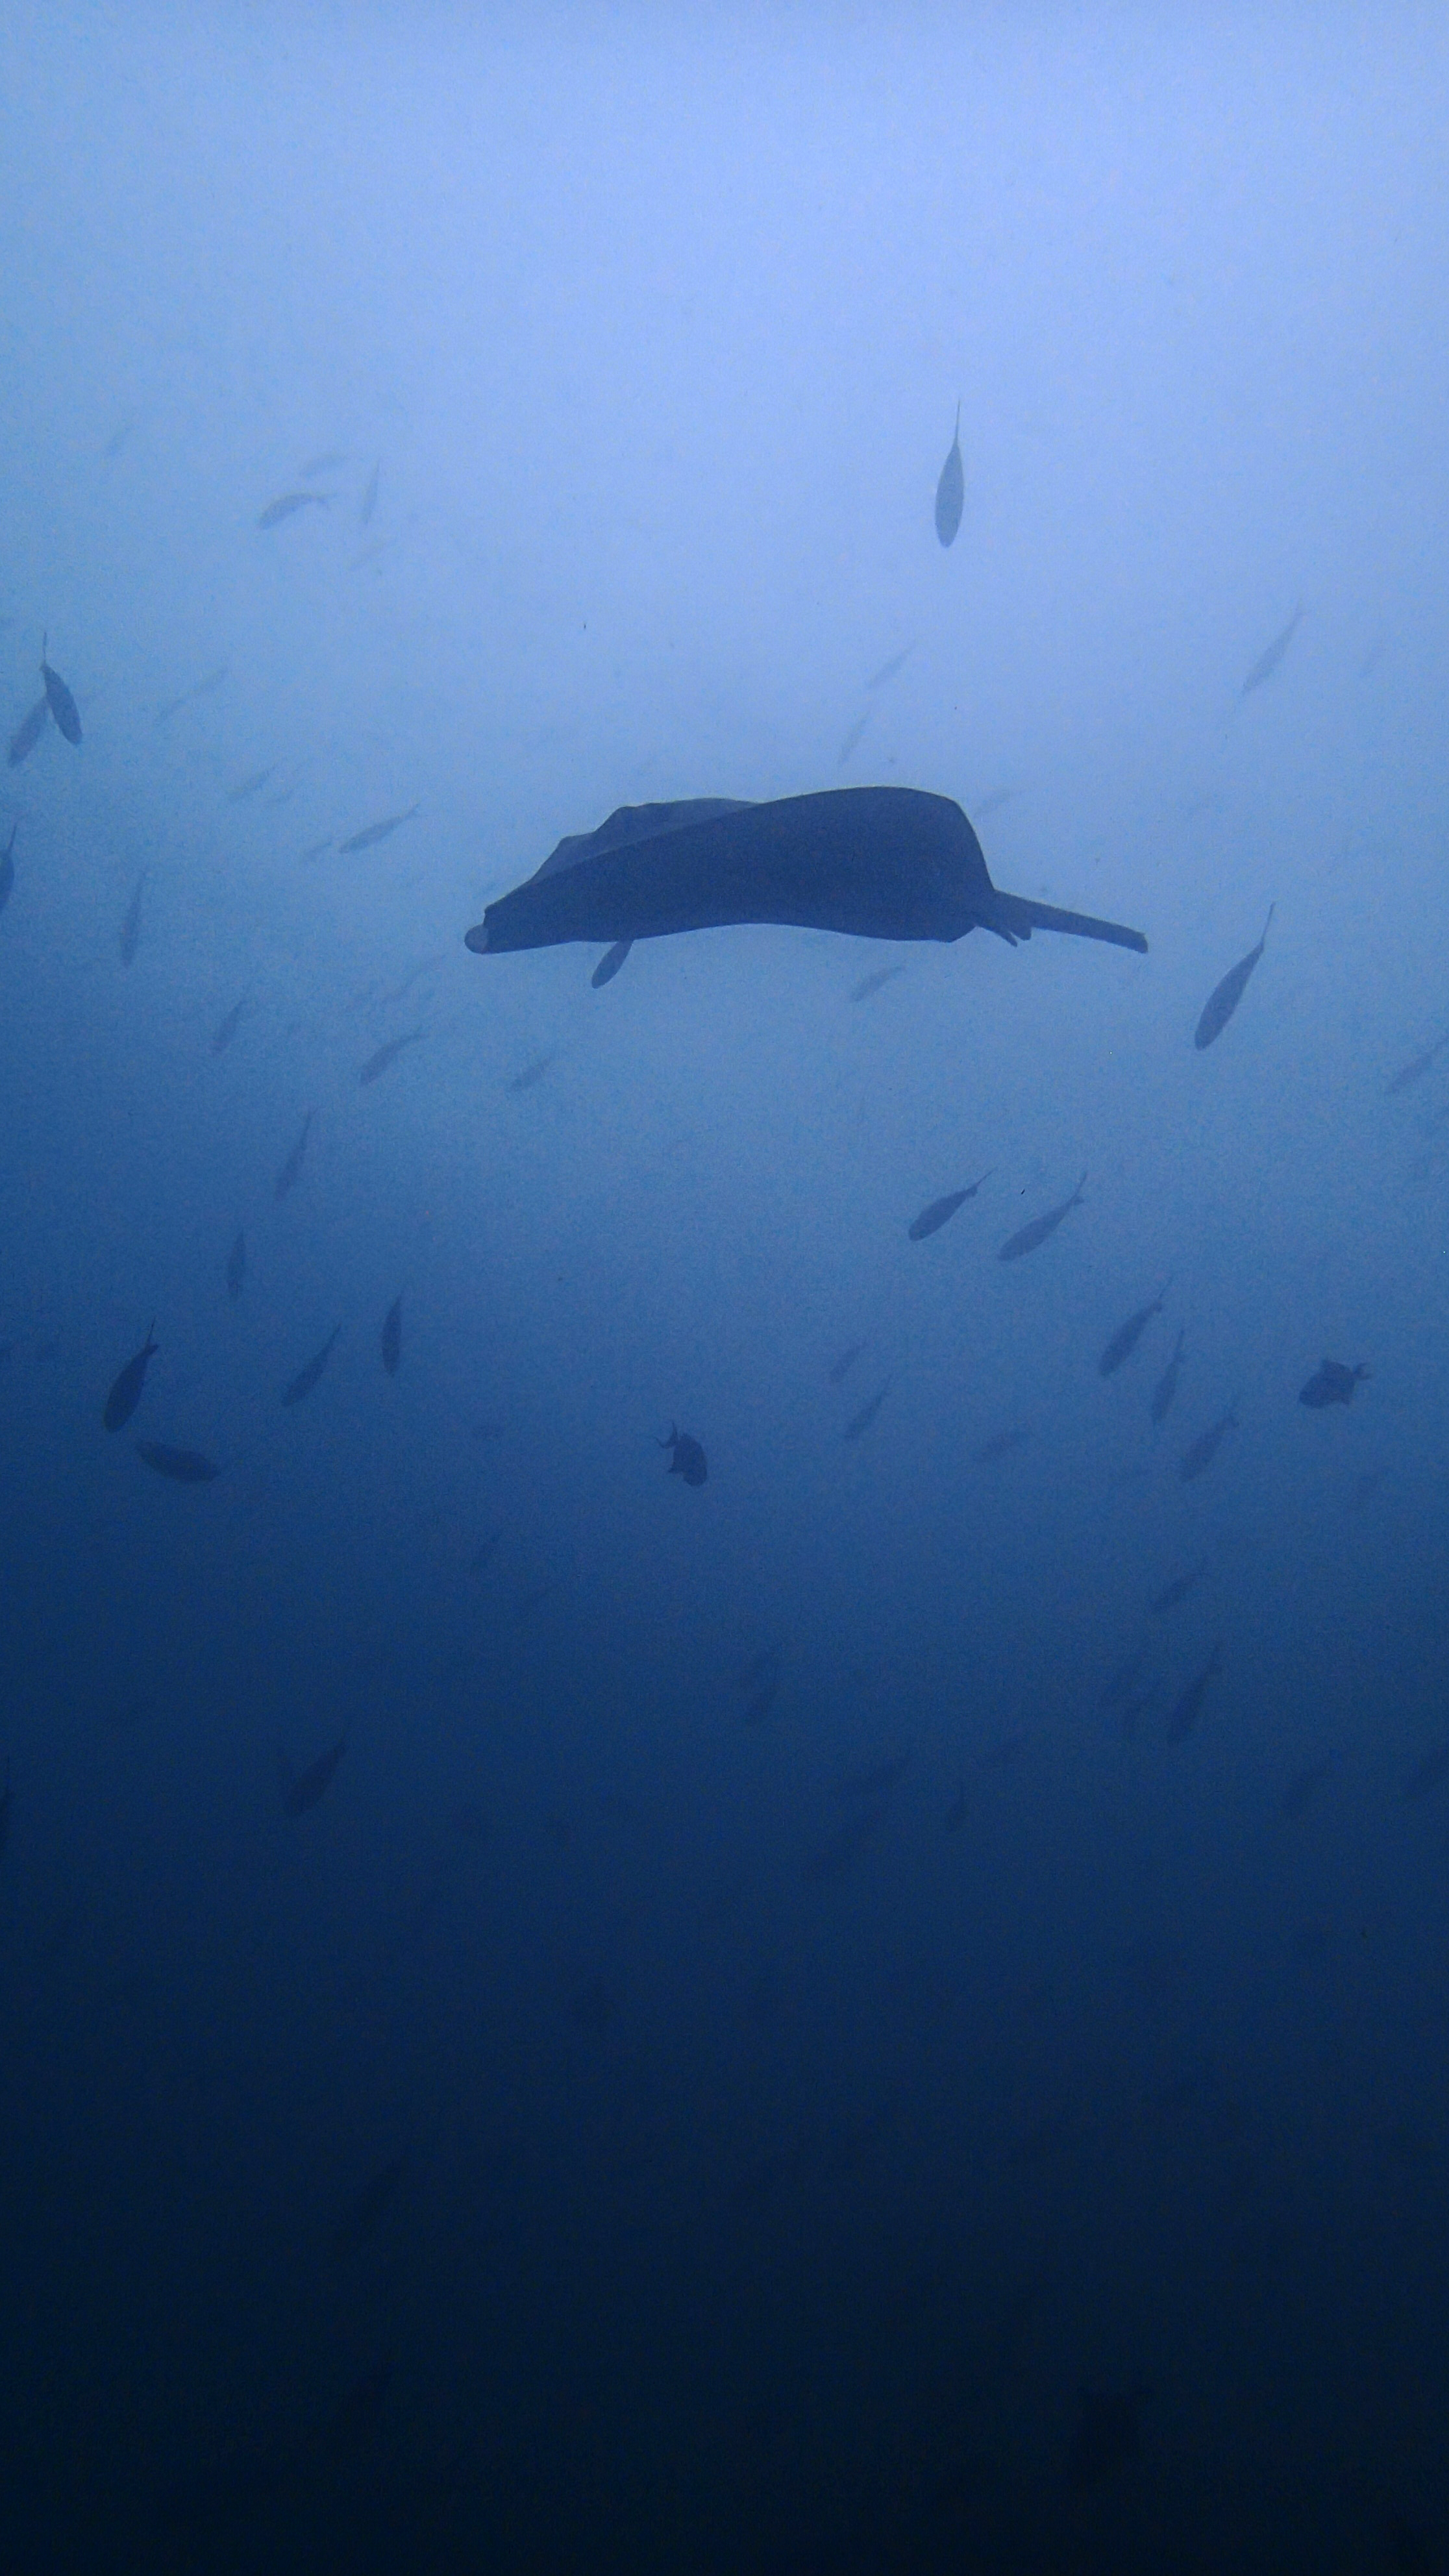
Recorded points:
(130,935)
(252,783)
(1409,1074)
(861,1422)
(1179,1588)
(236,1268)
(1166,1388)
(852,737)
(28,732)
(1040,1227)
(1223,1000)
(1205,1447)
(125,1392)
(303,1789)
(932,1218)
(62,705)
(372,833)
(610,963)
(875,982)
(1127,1336)
(392,1338)
(951,489)
(225,1030)
(1268,661)
(387,1055)
(300,1386)
(1187,1707)
(889,669)
(288,1176)
(288,503)
(183,1466)
(7,868)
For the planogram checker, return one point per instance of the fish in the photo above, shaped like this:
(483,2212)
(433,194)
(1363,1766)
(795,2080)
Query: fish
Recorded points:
(874,983)
(869,862)
(1409,1074)
(391,1345)
(831,1859)
(288,503)
(1224,998)
(840,1369)
(368,2210)
(1187,1707)
(951,489)
(1179,1588)
(125,1392)
(1268,660)
(875,1779)
(327,463)
(299,1387)
(1127,1336)
(29,730)
(688,1458)
(1108,2435)
(7,868)
(1120,1684)
(932,1218)
(130,935)
(225,1030)
(610,963)
(372,833)
(1030,1236)
(861,1422)
(853,733)
(889,669)
(1428,1773)
(236,1268)
(62,705)
(1205,1447)
(287,1177)
(249,786)
(201,689)
(534,1071)
(368,503)
(762,1681)
(1166,1388)
(1332,1382)
(183,1466)
(1303,1788)
(303,1789)
(1000,1445)
(388,1054)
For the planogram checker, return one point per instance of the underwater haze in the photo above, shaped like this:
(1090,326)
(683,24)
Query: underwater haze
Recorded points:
(724,1719)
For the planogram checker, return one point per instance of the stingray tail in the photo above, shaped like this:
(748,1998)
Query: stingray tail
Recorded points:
(1016,917)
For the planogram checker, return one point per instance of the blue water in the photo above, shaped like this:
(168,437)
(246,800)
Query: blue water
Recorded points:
(784,2040)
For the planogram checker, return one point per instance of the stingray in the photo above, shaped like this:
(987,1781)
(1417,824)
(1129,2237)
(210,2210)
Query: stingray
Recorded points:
(873,862)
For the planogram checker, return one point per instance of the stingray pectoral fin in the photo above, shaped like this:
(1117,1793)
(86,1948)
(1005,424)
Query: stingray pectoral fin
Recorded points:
(477,939)
(1019,915)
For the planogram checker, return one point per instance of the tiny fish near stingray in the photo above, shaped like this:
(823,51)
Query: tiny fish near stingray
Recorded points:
(872,862)
(688,1460)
